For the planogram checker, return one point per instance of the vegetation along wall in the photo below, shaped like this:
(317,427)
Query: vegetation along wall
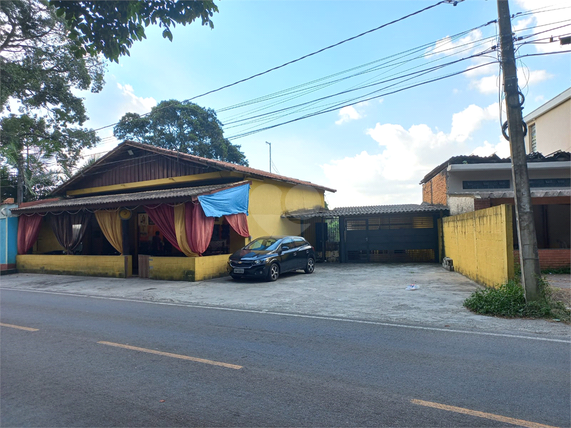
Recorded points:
(480,244)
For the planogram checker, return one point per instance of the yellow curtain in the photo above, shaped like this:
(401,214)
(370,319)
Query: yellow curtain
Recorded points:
(110,224)
(180,229)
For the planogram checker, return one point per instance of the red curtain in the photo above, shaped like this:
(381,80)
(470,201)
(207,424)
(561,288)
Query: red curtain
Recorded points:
(239,222)
(163,217)
(198,228)
(28,231)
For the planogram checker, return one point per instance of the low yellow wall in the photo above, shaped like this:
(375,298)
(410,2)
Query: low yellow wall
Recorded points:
(114,266)
(480,244)
(188,268)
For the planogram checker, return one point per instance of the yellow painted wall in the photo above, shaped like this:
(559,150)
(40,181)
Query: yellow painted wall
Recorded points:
(47,241)
(480,244)
(114,266)
(188,268)
(269,200)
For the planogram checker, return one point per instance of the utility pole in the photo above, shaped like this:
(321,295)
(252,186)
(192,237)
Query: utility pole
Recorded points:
(528,255)
(270,144)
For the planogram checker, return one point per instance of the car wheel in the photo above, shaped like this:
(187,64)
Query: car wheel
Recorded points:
(310,267)
(274,272)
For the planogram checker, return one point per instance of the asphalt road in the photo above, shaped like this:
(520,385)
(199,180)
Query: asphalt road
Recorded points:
(105,362)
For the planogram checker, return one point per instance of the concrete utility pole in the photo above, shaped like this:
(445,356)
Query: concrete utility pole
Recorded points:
(528,255)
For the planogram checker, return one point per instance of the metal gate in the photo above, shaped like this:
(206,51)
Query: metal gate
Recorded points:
(390,238)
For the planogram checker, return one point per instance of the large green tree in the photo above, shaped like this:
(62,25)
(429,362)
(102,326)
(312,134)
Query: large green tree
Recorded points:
(42,114)
(111,27)
(181,126)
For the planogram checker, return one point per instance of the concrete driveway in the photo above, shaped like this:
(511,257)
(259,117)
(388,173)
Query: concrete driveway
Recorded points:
(365,292)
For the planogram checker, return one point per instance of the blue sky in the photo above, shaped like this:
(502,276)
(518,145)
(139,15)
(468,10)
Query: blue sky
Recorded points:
(373,152)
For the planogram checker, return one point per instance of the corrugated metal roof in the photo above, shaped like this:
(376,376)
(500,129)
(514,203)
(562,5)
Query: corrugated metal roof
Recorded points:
(221,165)
(366,211)
(125,199)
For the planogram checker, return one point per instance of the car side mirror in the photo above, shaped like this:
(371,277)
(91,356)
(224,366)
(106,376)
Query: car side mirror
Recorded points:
(284,248)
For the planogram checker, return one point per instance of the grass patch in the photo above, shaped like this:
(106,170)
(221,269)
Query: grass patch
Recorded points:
(508,301)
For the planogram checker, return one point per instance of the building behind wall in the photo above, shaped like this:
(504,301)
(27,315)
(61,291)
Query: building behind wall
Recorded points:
(549,126)
(470,183)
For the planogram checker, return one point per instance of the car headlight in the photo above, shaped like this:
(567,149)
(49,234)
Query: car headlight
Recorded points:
(258,262)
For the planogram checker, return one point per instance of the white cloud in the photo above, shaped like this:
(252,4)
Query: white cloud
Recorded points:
(392,176)
(132,103)
(446,45)
(502,149)
(532,77)
(347,114)
(470,119)
(487,85)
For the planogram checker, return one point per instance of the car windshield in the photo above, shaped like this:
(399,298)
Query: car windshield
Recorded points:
(263,244)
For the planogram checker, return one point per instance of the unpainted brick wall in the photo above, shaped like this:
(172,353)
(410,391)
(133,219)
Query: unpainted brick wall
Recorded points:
(480,204)
(434,192)
(551,258)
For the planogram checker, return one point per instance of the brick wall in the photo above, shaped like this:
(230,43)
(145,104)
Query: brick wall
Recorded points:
(434,192)
(551,258)
(427,192)
(480,204)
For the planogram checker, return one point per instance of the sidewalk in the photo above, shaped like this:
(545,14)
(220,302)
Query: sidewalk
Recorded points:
(365,292)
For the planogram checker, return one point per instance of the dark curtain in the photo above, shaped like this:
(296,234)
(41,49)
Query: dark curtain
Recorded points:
(198,228)
(69,229)
(163,217)
(239,222)
(28,231)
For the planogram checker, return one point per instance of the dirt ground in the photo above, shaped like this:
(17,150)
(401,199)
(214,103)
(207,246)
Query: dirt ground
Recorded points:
(560,287)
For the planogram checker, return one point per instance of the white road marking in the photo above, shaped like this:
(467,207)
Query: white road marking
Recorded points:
(285,314)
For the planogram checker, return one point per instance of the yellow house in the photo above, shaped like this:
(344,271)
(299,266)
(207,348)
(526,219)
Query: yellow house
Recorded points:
(146,211)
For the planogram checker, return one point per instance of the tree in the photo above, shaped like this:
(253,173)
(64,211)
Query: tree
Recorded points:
(42,114)
(7,184)
(111,27)
(181,126)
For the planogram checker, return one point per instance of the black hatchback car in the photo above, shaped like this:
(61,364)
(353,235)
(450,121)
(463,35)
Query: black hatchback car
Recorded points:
(269,256)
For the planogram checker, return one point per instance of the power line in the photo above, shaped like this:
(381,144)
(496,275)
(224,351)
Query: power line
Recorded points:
(301,92)
(305,56)
(235,137)
(320,50)
(408,76)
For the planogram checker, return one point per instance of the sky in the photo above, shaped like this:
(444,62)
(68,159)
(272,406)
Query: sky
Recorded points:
(382,125)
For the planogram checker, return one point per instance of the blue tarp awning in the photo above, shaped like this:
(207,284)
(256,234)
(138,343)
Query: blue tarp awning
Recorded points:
(226,202)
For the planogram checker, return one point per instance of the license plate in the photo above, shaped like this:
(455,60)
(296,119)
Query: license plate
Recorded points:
(238,270)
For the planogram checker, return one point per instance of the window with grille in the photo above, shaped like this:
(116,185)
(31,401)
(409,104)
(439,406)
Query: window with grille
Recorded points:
(485,184)
(356,224)
(533,138)
(422,223)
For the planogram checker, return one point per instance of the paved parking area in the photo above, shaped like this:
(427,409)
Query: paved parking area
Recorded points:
(356,291)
